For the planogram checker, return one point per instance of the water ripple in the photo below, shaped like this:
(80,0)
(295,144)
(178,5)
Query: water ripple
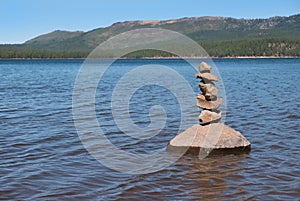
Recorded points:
(42,157)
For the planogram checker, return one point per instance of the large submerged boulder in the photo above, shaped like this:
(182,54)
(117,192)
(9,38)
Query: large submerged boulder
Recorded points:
(216,137)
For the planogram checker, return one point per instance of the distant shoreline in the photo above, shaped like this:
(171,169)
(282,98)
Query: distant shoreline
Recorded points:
(238,57)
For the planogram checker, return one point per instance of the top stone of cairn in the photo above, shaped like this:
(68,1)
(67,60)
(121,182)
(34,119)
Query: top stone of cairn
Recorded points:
(204,68)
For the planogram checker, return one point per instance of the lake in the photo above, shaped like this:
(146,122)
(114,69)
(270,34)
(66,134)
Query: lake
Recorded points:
(43,158)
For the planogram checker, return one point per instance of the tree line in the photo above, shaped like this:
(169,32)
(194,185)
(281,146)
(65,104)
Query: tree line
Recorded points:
(254,47)
(39,54)
(248,47)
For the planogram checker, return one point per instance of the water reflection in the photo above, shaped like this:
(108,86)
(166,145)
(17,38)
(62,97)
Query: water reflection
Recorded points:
(208,177)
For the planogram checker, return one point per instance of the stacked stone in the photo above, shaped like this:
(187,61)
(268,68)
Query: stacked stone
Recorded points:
(208,100)
(211,137)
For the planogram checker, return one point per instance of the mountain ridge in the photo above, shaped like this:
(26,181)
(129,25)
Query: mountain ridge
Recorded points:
(194,24)
(204,30)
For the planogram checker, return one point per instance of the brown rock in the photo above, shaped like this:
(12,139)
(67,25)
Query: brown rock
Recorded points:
(204,68)
(210,105)
(210,90)
(207,77)
(207,116)
(217,136)
(209,137)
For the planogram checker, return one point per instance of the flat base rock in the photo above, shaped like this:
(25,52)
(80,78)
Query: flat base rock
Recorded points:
(215,139)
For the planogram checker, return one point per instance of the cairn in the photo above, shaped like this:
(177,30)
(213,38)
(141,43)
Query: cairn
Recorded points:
(208,100)
(211,136)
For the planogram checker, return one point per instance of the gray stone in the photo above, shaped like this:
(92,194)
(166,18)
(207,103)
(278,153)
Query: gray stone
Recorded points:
(207,77)
(207,116)
(204,68)
(213,136)
(210,105)
(210,90)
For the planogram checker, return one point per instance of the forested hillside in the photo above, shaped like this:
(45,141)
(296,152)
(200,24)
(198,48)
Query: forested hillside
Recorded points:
(220,37)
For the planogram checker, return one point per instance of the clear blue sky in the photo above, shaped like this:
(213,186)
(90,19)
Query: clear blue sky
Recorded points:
(21,20)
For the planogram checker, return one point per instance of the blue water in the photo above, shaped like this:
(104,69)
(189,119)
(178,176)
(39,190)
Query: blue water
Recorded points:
(42,157)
